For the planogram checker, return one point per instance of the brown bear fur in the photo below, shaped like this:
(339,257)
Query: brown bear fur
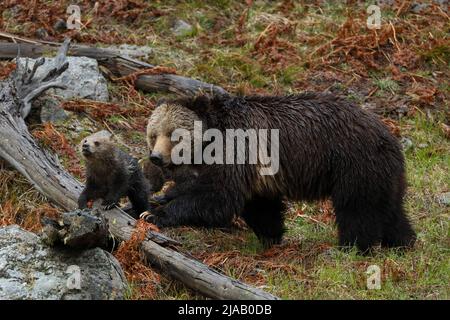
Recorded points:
(112,174)
(153,174)
(328,148)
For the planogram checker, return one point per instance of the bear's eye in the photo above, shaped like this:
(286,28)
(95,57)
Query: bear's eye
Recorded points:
(97,143)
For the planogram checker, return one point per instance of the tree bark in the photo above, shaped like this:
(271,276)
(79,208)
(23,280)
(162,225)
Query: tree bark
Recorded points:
(119,66)
(45,172)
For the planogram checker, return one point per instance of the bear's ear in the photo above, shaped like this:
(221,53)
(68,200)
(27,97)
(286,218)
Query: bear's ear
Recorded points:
(200,104)
(104,134)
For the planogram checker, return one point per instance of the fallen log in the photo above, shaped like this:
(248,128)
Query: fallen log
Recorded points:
(117,64)
(79,229)
(45,172)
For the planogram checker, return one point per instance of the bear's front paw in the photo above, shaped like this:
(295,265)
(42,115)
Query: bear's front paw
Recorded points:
(108,205)
(145,214)
(151,218)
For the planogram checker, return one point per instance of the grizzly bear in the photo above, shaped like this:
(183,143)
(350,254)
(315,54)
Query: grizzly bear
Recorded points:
(112,174)
(327,146)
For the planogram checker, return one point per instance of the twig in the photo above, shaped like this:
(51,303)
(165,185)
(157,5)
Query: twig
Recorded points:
(395,36)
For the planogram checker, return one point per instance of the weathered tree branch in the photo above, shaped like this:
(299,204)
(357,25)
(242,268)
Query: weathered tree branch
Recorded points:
(119,66)
(30,86)
(44,171)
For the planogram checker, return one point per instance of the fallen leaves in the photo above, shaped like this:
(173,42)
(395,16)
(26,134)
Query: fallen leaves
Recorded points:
(247,268)
(13,212)
(445,130)
(40,16)
(405,58)
(129,117)
(6,67)
(96,109)
(56,141)
(131,78)
(142,278)
(393,126)
(422,94)
(272,50)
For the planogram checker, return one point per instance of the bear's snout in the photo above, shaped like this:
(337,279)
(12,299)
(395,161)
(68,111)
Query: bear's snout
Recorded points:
(85,149)
(156,158)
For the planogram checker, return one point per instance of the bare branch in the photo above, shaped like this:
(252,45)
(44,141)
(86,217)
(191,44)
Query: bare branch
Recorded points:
(26,108)
(37,64)
(55,72)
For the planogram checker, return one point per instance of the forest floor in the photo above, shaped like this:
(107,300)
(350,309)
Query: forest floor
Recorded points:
(400,72)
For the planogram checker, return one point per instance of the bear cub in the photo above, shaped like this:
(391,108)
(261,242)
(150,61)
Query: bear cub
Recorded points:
(112,174)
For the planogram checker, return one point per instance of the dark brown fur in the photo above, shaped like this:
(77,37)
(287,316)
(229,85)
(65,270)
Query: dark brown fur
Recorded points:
(153,174)
(112,174)
(329,148)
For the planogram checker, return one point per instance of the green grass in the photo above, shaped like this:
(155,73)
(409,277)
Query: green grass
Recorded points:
(387,84)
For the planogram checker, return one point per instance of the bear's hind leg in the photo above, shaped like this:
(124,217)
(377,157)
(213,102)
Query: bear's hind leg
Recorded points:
(266,218)
(358,224)
(397,230)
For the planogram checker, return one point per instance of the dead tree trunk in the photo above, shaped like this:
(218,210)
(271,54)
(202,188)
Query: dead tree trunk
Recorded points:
(18,147)
(119,66)
(45,172)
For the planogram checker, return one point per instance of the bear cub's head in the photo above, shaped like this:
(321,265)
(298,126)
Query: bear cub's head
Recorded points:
(97,145)
(165,119)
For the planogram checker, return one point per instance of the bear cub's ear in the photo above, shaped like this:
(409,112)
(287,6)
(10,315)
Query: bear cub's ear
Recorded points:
(105,134)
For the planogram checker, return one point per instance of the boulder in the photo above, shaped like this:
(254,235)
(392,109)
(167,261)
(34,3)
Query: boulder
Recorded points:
(444,199)
(31,270)
(182,28)
(83,80)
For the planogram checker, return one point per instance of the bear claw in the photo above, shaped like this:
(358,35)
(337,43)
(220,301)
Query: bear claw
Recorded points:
(108,206)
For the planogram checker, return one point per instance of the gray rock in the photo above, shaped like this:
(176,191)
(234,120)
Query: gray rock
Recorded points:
(41,33)
(444,198)
(51,110)
(422,145)
(82,78)
(406,143)
(60,25)
(182,28)
(31,270)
